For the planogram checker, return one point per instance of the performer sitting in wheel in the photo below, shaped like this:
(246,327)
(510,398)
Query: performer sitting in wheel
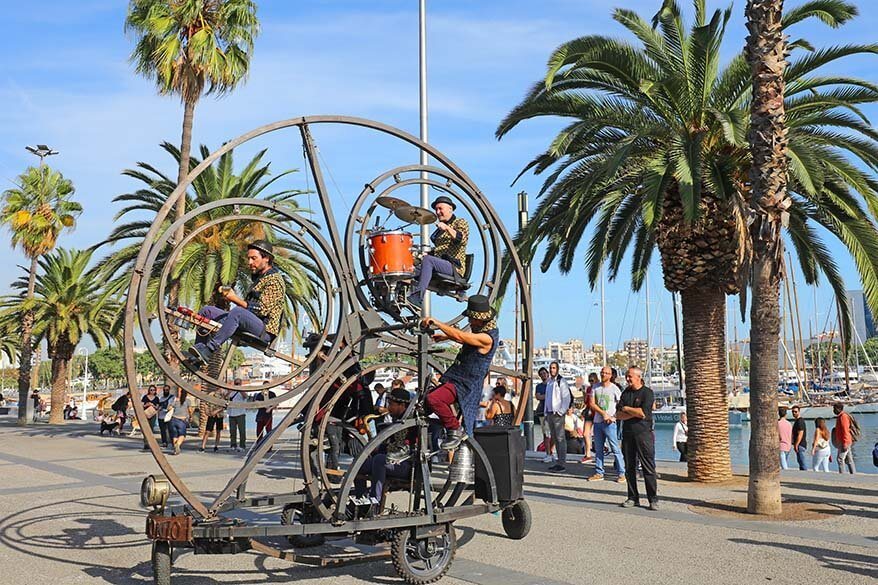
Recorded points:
(391,460)
(449,248)
(258,314)
(463,380)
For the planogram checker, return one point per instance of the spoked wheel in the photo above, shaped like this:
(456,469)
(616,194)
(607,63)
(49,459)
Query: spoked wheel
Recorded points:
(423,560)
(517,520)
(293,515)
(161,563)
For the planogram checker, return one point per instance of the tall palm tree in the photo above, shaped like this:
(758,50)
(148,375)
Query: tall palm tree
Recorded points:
(192,47)
(36,211)
(69,302)
(217,256)
(766,48)
(656,155)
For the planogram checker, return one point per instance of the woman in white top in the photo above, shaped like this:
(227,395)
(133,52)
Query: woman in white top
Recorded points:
(681,434)
(820,450)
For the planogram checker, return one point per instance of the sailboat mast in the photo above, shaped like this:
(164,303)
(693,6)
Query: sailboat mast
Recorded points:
(648,337)
(799,326)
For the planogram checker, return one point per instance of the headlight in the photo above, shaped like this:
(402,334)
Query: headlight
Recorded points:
(154,491)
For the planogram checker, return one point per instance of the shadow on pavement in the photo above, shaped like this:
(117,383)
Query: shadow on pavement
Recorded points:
(840,561)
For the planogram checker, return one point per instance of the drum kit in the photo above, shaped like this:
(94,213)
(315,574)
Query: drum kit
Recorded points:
(392,254)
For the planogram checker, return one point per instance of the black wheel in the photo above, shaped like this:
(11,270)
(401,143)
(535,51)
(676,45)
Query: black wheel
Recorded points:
(425,560)
(292,515)
(517,520)
(161,563)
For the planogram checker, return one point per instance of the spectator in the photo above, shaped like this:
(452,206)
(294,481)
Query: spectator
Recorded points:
(215,417)
(800,439)
(558,400)
(120,407)
(638,441)
(265,415)
(785,432)
(540,415)
(681,436)
(151,405)
(573,432)
(180,420)
(166,401)
(237,420)
(604,401)
(380,398)
(843,439)
(820,452)
(499,410)
(588,418)
(38,404)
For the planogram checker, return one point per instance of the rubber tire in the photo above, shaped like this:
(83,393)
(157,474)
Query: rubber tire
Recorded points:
(300,541)
(517,520)
(400,563)
(161,563)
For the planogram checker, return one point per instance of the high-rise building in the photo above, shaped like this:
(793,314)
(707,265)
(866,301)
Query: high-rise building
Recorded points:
(636,350)
(864,322)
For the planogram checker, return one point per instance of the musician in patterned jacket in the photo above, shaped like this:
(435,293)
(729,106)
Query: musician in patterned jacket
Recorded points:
(258,313)
(449,248)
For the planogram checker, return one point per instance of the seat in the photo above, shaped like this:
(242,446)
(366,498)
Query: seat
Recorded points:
(248,340)
(453,285)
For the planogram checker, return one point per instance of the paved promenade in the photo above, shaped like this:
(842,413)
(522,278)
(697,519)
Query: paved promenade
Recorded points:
(69,514)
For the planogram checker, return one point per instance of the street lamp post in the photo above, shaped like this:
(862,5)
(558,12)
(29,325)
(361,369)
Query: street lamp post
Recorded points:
(85,381)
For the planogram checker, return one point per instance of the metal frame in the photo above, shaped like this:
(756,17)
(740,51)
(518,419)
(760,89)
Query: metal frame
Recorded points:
(357,327)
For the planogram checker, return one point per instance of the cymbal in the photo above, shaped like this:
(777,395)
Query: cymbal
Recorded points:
(412,214)
(391,203)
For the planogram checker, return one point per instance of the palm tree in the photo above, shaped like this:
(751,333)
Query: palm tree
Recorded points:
(189,47)
(216,256)
(656,155)
(36,211)
(69,302)
(766,47)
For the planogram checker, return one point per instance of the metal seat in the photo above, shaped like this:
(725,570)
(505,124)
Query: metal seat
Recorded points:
(453,285)
(248,340)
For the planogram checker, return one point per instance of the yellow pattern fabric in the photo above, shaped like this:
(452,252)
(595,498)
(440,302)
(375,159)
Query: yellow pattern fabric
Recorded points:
(269,305)
(453,249)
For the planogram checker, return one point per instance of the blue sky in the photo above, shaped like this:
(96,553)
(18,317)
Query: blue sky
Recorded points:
(65,81)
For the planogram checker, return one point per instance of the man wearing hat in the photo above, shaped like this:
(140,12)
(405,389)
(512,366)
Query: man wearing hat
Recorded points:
(463,380)
(449,247)
(390,458)
(258,314)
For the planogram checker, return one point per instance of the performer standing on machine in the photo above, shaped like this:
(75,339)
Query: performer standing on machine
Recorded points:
(449,248)
(259,314)
(463,380)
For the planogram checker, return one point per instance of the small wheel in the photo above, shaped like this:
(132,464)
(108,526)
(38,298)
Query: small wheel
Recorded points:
(161,562)
(517,520)
(292,515)
(421,561)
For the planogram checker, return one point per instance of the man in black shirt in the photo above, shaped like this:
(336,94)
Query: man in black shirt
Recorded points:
(638,443)
(800,441)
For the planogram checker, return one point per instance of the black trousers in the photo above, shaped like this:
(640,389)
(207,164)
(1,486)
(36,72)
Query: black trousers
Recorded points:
(640,447)
(681,447)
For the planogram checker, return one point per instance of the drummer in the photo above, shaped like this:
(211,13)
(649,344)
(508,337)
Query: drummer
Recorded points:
(449,248)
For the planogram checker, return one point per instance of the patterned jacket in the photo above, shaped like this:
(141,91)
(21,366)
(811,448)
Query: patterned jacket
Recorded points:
(266,299)
(450,248)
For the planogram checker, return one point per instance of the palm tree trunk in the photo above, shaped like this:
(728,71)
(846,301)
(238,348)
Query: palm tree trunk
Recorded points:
(26,352)
(707,401)
(180,211)
(60,365)
(765,51)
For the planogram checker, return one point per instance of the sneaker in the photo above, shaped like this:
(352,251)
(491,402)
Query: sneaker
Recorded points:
(201,449)
(585,460)
(654,506)
(176,449)
(548,459)
(595,477)
(215,449)
(200,353)
(621,479)
(629,504)
(557,468)
(452,440)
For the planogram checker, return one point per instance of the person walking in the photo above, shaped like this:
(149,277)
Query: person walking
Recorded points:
(558,400)
(165,400)
(603,402)
(180,420)
(638,441)
(681,437)
(540,411)
(588,418)
(800,439)
(151,404)
(785,432)
(843,439)
(820,452)
(237,419)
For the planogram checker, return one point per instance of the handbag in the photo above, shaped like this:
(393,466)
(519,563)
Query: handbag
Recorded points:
(169,415)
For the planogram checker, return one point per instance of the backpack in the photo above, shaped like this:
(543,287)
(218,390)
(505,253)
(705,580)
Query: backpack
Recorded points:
(855,429)
(875,455)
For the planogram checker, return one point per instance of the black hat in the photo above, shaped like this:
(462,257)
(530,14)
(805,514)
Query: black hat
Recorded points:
(312,339)
(479,307)
(400,395)
(443,199)
(264,246)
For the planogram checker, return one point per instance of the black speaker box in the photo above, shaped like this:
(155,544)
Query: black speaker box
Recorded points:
(504,447)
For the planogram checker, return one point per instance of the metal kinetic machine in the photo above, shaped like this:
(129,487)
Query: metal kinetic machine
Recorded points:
(365,274)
